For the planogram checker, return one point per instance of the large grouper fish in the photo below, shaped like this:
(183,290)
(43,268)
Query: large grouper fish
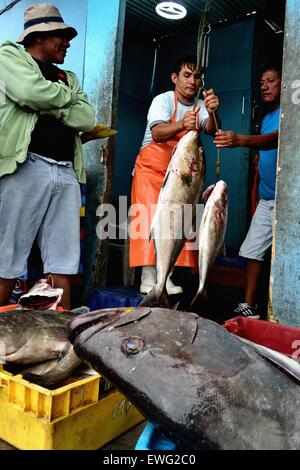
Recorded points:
(203,385)
(172,223)
(38,337)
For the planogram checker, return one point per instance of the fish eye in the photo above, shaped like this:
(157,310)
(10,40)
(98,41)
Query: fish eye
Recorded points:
(132,345)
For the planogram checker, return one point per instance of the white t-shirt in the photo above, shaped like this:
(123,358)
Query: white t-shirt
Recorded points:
(162,110)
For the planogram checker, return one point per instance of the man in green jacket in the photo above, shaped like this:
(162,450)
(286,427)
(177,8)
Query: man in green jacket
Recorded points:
(42,112)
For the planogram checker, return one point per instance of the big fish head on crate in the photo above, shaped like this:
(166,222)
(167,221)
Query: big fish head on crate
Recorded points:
(200,383)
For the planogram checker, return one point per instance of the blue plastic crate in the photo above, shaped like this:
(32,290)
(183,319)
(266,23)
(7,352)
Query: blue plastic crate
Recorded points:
(232,259)
(114,297)
(152,438)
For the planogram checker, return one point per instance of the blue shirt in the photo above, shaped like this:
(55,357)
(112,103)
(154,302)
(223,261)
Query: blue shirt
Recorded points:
(268,159)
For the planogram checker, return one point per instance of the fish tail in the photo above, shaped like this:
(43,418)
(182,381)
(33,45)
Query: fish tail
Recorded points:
(156,296)
(150,299)
(201,293)
(164,299)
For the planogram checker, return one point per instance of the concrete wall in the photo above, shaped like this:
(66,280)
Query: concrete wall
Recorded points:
(103,53)
(285,278)
(95,55)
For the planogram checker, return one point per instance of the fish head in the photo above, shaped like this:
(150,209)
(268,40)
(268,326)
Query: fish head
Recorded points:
(217,205)
(163,361)
(217,195)
(190,376)
(31,336)
(221,193)
(87,325)
(115,341)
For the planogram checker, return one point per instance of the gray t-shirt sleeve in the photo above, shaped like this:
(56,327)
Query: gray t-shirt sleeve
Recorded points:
(161,110)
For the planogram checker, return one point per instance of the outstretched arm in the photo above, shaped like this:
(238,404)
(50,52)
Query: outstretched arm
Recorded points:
(229,139)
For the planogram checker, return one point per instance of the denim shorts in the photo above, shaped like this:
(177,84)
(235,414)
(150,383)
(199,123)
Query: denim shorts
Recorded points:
(259,237)
(41,199)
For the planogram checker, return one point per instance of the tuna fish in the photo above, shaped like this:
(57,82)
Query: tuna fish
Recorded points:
(34,337)
(182,187)
(212,230)
(205,387)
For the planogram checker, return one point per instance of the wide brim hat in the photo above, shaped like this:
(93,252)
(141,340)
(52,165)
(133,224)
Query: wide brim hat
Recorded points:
(43,18)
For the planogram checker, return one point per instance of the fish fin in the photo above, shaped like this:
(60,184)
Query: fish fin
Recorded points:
(201,293)
(195,331)
(151,237)
(166,179)
(81,310)
(34,373)
(164,299)
(55,371)
(136,315)
(287,364)
(208,192)
(222,251)
(154,298)
(150,299)
(194,299)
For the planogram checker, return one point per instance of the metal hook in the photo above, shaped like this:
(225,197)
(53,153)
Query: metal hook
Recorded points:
(202,86)
(207,29)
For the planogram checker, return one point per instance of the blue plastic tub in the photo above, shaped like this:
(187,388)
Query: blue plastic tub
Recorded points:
(153,439)
(111,297)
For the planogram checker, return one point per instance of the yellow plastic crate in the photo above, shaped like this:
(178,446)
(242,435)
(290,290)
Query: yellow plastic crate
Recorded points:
(73,417)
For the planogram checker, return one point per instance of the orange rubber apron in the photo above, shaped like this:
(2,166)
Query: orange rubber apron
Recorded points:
(149,173)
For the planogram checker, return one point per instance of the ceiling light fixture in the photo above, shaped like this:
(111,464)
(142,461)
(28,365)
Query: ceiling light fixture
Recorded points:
(171,10)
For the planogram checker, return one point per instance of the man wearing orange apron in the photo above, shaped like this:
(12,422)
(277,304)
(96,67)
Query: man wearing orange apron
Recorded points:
(171,116)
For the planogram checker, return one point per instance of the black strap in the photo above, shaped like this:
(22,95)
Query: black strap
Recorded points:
(46,19)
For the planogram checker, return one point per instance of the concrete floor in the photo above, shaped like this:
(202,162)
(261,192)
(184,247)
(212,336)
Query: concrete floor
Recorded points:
(125,442)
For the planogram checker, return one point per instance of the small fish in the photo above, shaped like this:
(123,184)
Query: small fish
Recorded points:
(212,230)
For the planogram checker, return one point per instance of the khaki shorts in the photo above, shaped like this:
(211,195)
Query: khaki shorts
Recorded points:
(259,237)
(41,199)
